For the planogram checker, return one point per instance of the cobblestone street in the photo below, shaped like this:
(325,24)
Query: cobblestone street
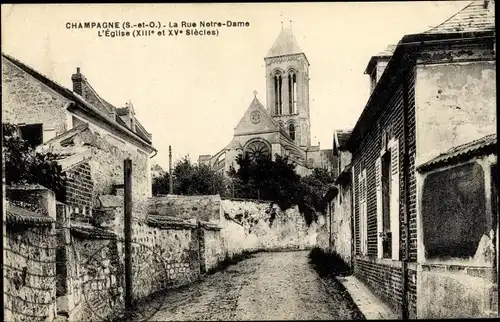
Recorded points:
(268,286)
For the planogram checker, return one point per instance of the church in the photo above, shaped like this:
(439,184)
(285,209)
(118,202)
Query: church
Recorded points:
(283,126)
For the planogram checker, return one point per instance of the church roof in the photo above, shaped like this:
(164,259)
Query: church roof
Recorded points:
(285,44)
(476,16)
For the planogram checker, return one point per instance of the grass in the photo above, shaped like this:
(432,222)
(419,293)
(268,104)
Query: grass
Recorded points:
(328,263)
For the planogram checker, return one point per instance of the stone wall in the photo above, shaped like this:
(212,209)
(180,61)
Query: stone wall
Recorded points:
(341,233)
(255,225)
(29,273)
(205,208)
(164,257)
(95,275)
(26,100)
(211,249)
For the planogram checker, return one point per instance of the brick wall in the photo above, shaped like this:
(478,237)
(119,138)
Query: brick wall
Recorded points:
(79,185)
(385,278)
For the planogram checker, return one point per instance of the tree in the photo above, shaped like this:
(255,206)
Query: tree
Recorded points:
(277,181)
(161,184)
(191,179)
(23,165)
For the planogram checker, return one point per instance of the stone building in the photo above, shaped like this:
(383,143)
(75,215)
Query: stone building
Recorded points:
(425,242)
(283,126)
(339,198)
(92,136)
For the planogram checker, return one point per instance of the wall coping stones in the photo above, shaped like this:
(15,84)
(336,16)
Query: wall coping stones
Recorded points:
(209,226)
(211,197)
(169,222)
(92,232)
(247,200)
(30,186)
(110,201)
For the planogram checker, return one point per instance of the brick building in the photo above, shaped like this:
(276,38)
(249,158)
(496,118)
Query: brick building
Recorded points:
(432,93)
(92,136)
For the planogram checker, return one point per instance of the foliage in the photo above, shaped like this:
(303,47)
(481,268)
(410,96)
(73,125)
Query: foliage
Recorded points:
(191,179)
(161,184)
(277,181)
(23,165)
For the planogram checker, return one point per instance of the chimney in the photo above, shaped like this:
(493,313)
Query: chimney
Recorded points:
(78,80)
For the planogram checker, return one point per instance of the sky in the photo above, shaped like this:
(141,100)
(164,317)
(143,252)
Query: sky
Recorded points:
(190,92)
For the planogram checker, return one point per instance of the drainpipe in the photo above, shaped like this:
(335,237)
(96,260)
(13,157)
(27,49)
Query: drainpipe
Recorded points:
(406,172)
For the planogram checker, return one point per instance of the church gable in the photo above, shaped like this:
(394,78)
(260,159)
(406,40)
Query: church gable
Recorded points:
(255,120)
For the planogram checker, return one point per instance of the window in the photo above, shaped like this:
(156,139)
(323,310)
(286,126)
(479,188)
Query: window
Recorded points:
(277,94)
(454,219)
(292,93)
(386,203)
(387,185)
(291,130)
(362,213)
(257,149)
(32,134)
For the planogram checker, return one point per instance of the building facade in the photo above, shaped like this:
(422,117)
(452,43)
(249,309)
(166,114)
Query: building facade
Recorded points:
(435,95)
(91,136)
(283,127)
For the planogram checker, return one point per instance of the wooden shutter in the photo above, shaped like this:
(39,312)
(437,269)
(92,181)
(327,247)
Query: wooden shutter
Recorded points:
(395,225)
(378,185)
(360,211)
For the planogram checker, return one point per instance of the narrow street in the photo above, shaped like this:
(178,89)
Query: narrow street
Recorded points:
(268,286)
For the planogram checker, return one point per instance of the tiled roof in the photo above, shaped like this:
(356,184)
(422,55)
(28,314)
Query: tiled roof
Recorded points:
(68,94)
(478,147)
(285,44)
(18,215)
(474,17)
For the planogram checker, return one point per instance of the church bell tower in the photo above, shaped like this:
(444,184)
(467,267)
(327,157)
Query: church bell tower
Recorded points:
(287,84)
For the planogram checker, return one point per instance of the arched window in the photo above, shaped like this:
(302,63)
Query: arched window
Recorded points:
(291,130)
(257,149)
(292,93)
(277,94)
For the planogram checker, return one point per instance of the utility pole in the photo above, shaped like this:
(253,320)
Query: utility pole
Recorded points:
(127,200)
(170,181)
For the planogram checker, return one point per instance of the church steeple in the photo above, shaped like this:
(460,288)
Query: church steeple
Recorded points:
(287,78)
(285,44)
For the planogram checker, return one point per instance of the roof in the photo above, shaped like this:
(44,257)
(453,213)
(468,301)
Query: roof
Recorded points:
(340,139)
(383,55)
(122,111)
(482,146)
(476,16)
(285,44)
(77,99)
(19,215)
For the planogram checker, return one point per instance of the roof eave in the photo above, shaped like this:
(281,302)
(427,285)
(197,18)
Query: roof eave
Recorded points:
(408,41)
